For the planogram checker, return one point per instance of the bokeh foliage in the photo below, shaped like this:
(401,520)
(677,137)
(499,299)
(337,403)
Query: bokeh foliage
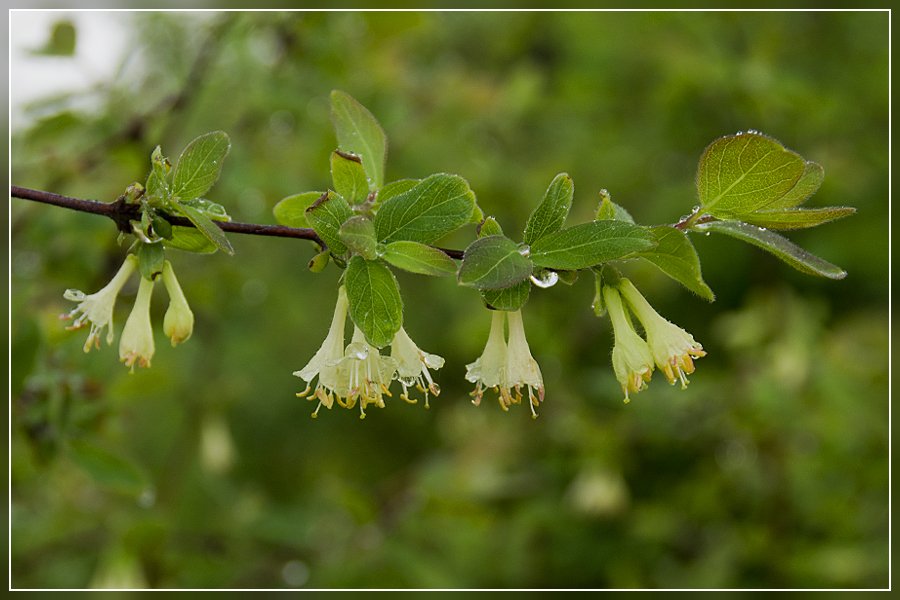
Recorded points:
(205,470)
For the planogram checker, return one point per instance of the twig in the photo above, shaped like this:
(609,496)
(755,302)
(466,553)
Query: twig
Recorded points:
(122,213)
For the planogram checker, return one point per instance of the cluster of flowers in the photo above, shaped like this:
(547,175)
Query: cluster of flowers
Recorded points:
(136,344)
(670,347)
(359,374)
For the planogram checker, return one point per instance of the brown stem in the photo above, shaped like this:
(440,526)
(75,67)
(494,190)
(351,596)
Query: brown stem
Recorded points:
(122,213)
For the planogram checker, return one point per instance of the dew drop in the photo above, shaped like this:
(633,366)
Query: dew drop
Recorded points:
(525,250)
(545,279)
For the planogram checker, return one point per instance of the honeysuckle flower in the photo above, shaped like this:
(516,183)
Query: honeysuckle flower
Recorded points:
(412,366)
(136,346)
(490,369)
(324,363)
(631,357)
(178,323)
(672,347)
(522,370)
(97,308)
(364,375)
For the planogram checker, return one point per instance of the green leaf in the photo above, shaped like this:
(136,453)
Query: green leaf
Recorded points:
(213,210)
(798,218)
(190,239)
(206,226)
(349,177)
(550,215)
(418,258)
(675,256)
(374,296)
(157,182)
(358,234)
(513,297)
(106,468)
(358,132)
(161,227)
(428,211)
(318,262)
(609,210)
(778,245)
(394,188)
(150,259)
(199,165)
(326,215)
(493,262)
(806,186)
(590,244)
(291,211)
(489,226)
(739,174)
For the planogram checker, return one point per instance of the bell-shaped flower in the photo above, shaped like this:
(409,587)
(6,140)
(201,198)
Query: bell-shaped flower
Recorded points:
(97,308)
(364,375)
(324,364)
(136,346)
(178,324)
(521,368)
(412,366)
(631,357)
(490,369)
(672,347)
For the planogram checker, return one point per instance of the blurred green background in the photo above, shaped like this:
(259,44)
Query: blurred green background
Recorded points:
(771,470)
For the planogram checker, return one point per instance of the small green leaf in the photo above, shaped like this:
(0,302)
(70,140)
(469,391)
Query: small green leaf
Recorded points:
(493,262)
(161,227)
(206,226)
(675,256)
(590,244)
(806,186)
(157,182)
(291,211)
(513,297)
(489,226)
(358,234)
(739,174)
(107,469)
(550,215)
(199,165)
(190,239)
(358,132)
(609,210)
(778,245)
(318,262)
(349,177)
(150,259)
(418,258)
(428,211)
(213,210)
(374,296)
(326,215)
(798,218)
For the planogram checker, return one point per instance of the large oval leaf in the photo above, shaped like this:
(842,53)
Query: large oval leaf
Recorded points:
(741,173)
(493,262)
(589,244)
(428,211)
(374,296)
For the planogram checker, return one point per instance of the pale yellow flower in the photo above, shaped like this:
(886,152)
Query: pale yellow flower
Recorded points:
(672,347)
(631,357)
(136,346)
(413,366)
(97,308)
